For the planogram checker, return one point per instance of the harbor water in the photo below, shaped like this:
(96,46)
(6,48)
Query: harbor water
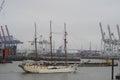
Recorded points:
(11,71)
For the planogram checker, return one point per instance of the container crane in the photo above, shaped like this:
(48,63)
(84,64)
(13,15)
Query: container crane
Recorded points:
(113,42)
(105,40)
(5,50)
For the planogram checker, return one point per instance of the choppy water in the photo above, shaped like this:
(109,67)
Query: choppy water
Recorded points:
(13,72)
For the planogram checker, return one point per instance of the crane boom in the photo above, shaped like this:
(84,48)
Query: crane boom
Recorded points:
(8,33)
(1,38)
(1,42)
(118,31)
(3,35)
(1,6)
(102,33)
(109,33)
(9,40)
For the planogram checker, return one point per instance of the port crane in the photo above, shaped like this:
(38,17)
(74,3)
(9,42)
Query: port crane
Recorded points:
(4,51)
(105,40)
(111,44)
(8,44)
(102,33)
(10,41)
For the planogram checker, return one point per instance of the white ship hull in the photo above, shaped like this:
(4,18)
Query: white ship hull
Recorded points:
(48,69)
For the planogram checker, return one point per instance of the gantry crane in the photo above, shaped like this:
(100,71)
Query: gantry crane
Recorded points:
(104,39)
(5,50)
(112,45)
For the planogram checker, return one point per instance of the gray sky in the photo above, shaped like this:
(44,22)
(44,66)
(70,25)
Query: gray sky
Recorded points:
(81,16)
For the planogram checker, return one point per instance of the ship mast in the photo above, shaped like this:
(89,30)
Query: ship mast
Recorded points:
(35,42)
(51,40)
(65,43)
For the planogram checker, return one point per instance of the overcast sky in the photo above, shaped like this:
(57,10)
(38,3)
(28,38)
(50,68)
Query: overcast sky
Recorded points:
(81,16)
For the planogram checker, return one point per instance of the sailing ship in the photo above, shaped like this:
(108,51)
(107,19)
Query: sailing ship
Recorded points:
(41,67)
